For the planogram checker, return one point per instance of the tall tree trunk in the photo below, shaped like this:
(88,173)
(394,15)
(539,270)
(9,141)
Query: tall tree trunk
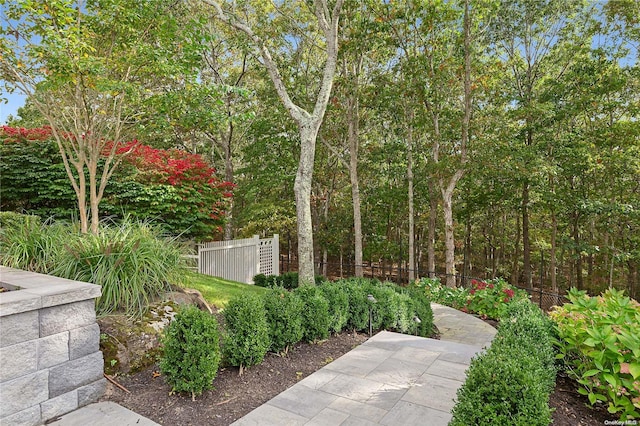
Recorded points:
(449,241)
(526,244)
(515,270)
(411,248)
(431,233)
(302,191)
(228,176)
(554,244)
(353,119)
(578,255)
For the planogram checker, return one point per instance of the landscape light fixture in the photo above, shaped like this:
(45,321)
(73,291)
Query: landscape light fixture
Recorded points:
(417,321)
(372,300)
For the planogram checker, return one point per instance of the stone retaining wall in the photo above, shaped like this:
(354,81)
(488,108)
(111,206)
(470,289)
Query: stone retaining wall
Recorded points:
(50,361)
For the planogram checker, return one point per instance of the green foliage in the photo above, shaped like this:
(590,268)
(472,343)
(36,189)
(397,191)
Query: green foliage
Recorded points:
(422,309)
(438,293)
(512,381)
(247,339)
(284,316)
(315,313)
(34,246)
(131,261)
(338,304)
(32,175)
(191,352)
(357,290)
(12,220)
(491,298)
(599,342)
(288,280)
(395,308)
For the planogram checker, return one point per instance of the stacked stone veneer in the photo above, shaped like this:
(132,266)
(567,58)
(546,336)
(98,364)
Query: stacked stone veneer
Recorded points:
(50,361)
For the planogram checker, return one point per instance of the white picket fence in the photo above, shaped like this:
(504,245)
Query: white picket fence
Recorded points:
(240,260)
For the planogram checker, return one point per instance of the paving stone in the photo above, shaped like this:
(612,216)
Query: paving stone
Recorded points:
(57,319)
(24,392)
(303,401)
(72,374)
(268,415)
(450,370)
(53,350)
(351,387)
(357,421)
(397,372)
(84,341)
(59,405)
(18,360)
(361,361)
(28,417)
(387,396)
(17,328)
(358,409)
(103,414)
(328,417)
(434,392)
(406,413)
(318,378)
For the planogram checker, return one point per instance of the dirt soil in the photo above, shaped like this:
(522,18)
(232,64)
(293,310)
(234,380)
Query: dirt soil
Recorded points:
(234,395)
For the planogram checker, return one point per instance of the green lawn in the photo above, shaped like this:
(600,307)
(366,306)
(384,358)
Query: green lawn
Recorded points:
(218,291)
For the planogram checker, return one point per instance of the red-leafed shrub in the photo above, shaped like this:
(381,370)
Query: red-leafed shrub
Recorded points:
(174,188)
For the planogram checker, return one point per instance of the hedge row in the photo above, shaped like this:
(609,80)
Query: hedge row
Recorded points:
(512,381)
(280,318)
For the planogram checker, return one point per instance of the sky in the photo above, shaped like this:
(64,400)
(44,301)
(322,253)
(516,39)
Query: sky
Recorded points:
(15,101)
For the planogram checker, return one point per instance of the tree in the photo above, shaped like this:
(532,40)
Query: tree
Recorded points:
(81,65)
(308,123)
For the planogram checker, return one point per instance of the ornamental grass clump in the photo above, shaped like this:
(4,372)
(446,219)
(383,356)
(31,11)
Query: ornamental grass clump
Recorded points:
(247,331)
(511,382)
(191,352)
(132,262)
(599,344)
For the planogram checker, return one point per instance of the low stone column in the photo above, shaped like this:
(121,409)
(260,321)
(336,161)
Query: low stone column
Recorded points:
(50,358)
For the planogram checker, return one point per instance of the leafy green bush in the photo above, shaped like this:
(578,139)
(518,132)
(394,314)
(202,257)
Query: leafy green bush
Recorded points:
(490,299)
(436,292)
(247,339)
(12,220)
(422,310)
(357,290)
(268,281)
(284,316)
(512,381)
(338,305)
(315,313)
(599,342)
(191,352)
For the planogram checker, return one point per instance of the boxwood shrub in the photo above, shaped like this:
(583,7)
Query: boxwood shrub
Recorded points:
(315,313)
(191,352)
(247,331)
(284,317)
(512,381)
(338,300)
